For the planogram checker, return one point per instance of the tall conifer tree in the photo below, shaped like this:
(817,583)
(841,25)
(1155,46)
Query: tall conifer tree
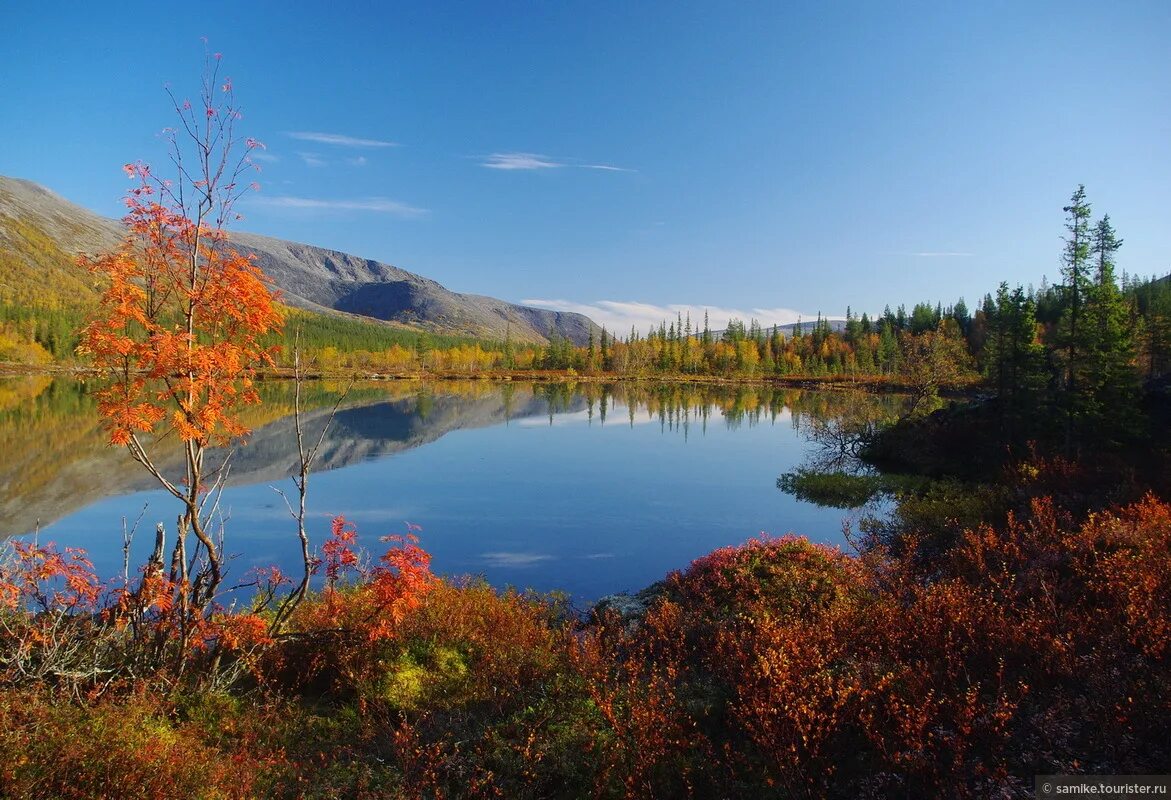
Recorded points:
(1071,332)
(1109,375)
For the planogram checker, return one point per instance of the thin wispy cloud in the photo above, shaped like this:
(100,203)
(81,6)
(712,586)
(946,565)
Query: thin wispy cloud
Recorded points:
(509,161)
(360,161)
(261,155)
(339,139)
(619,316)
(536,161)
(313,160)
(379,205)
(606,167)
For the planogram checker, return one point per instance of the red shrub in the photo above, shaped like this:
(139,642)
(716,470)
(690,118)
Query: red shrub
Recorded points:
(127,748)
(786,575)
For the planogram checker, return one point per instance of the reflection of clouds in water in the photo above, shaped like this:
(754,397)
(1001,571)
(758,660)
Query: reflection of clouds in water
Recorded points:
(504,559)
(614,415)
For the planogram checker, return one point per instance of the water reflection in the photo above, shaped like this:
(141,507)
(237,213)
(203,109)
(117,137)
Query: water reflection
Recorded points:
(57,460)
(585,486)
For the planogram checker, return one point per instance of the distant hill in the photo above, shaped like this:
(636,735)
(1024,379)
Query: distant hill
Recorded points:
(836,325)
(41,233)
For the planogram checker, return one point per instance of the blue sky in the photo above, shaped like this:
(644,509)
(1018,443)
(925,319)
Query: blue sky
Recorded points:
(624,159)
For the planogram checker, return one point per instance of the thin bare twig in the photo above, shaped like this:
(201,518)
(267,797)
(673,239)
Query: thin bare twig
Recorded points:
(301,481)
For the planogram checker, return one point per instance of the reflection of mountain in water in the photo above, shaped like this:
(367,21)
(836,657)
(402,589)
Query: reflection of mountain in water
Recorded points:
(46,474)
(54,459)
(369,432)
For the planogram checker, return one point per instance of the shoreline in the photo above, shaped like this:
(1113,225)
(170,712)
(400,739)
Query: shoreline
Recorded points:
(876,384)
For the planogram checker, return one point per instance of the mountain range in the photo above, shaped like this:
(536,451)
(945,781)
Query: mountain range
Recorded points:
(41,233)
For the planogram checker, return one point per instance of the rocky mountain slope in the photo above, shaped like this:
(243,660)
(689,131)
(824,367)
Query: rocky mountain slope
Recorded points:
(41,232)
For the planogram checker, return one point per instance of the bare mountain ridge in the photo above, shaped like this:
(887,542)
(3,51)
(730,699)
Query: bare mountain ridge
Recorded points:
(33,219)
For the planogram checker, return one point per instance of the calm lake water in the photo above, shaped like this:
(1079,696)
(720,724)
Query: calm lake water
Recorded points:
(585,488)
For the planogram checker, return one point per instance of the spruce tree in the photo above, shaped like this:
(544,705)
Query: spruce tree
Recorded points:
(1110,381)
(959,312)
(1014,361)
(1071,330)
(1153,306)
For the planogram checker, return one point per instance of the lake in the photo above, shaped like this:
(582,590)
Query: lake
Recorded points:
(586,488)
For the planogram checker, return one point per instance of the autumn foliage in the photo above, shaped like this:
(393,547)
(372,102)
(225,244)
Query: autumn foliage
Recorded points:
(182,314)
(182,311)
(334,634)
(778,668)
(947,659)
(131,746)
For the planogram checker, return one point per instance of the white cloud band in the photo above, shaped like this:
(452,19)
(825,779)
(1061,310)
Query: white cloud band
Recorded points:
(536,161)
(619,316)
(379,205)
(339,139)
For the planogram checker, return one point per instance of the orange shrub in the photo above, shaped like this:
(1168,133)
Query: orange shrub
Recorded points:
(332,635)
(130,747)
(649,743)
(786,575)
(794,690)
(775,669)
(485,700)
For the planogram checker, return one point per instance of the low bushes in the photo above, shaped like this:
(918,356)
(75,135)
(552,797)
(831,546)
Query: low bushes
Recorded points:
(775,669)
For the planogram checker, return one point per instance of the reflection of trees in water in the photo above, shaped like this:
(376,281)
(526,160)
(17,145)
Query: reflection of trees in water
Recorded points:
(55,444)
(675,405)
(42,422)
(678,406)
(56,458)
(559,397)
(833,473)
(840,433)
